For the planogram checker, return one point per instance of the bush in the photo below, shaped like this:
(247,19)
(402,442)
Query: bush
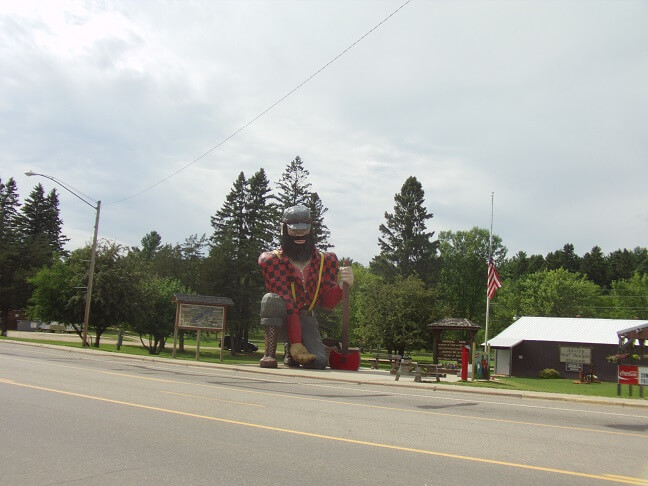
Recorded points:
(549,373)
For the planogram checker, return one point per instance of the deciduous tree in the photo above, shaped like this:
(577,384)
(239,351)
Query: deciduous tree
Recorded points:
(629,297)
(155,319)
(151,243)
(464,270)
(59,289)
(395,314)
(550,293)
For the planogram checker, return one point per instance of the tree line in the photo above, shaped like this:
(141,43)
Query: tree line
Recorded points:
(30,236)
(415,279)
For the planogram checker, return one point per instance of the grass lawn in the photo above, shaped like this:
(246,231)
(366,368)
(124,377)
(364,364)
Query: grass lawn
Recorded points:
(556,385)
(210,352)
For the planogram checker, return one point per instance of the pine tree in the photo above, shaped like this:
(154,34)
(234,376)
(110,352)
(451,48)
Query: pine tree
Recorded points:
(406,248)
(641,257)
(243,228)
(229,221)
(594,266)
(321,233)
(32,216)
(565,258)
(54,223)
(11,261)
(621,264)
(261,214)
(192,252)
(294,187)
(9,206)
(39,221)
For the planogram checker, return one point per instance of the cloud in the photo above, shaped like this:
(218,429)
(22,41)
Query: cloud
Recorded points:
(539,102)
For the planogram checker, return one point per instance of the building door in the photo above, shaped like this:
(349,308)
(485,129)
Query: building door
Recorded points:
(503,361)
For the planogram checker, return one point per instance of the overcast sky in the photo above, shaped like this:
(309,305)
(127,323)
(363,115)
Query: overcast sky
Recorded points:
(543,103)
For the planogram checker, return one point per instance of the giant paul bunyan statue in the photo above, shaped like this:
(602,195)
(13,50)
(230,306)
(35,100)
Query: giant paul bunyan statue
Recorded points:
(298,279)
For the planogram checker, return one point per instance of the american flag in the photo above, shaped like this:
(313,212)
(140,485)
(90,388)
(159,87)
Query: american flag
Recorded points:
(494,281)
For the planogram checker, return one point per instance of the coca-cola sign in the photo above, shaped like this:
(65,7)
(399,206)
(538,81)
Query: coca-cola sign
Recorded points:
(628,375)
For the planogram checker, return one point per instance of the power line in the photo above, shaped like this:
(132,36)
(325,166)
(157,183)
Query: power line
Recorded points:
(267,109)
(625,296)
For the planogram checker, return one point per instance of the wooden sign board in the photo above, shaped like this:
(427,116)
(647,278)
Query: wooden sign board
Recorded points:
(200,313)
(450,350)
(576,355)
(201,317)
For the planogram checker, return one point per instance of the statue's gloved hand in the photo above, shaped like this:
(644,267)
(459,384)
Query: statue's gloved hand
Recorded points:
(345,276)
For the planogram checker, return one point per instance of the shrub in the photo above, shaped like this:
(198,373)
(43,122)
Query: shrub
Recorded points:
(549,373)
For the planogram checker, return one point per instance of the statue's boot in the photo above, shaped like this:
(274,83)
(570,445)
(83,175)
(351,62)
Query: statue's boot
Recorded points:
(269,359)
(299,352)
(288,359)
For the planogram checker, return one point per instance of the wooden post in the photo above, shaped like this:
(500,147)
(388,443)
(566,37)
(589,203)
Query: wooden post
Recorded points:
(175,330)
(223,334)
(197,344)
(472,359)
(436,336)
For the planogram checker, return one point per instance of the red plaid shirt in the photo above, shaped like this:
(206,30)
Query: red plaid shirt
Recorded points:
(279,273)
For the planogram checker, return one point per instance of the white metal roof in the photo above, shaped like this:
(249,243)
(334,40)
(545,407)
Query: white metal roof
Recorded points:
(563,329)
(503,342)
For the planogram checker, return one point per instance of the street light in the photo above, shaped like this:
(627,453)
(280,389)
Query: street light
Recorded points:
(93,254)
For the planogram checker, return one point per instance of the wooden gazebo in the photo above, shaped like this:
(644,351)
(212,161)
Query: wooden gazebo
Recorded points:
(451,349)
(639,332)
(627,338)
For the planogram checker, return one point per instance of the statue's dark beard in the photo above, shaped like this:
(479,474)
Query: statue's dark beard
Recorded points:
(298,253)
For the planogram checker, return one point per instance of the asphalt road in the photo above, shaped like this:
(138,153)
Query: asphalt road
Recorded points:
(80,419)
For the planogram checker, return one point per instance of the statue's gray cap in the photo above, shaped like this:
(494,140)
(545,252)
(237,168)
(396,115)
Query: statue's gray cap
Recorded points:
(297,217)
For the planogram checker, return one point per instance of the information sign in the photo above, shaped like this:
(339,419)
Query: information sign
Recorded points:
(201,317)
(643,375)
(450,350)
(573,367)
(571,354)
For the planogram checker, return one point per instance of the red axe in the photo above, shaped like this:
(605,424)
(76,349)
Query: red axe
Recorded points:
(345,360)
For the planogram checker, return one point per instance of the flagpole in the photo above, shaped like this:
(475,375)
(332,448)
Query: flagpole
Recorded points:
(490,255)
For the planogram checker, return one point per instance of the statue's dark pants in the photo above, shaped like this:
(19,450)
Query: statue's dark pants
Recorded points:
(273,320)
